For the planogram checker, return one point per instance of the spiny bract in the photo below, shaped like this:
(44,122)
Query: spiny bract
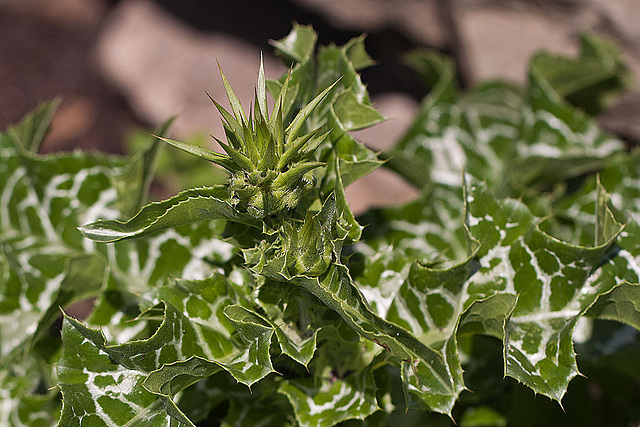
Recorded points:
(269,165)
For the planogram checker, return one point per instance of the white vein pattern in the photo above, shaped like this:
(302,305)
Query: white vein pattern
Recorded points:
(451,133)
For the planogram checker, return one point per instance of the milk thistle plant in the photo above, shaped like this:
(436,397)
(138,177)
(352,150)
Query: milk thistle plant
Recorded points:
(265,301)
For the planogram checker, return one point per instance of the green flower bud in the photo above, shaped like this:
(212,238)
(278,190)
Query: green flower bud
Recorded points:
(269,165)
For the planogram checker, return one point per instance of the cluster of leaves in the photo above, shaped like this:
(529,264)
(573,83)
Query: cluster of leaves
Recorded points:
(263,302)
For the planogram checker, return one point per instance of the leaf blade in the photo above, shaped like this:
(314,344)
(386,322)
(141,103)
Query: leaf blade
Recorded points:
(186,207)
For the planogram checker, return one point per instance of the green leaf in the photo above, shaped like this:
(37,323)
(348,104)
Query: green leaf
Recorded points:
(288,309)
(134,184)
(202,301)
(30,132)
(422,304)
(303,115)
(357,53)
(333,64)
(186,207)
(180,352)
(293,345)
(24,399)
(97,388)
(174,377)
(355,159)
(488,316)
(27,295)
(337,291)
(332,402)
(620,274)
(201,152)
(436,306)
(430,229)
(43,195)
(352,114)
(569,77)
(621,304)
(191,251)
(547,274)
(238,112)
(482,416)
(522,285)
(254,363)
(519,145)
(461,260)
(345,218)
(211,306)
(84,275)
(588,82)
(437,72)
(44,261)
(298,45)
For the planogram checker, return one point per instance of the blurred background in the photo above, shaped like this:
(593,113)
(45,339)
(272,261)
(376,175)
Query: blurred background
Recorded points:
(121,66)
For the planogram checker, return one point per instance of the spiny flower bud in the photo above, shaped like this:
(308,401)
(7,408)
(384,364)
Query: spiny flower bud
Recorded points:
(269,165)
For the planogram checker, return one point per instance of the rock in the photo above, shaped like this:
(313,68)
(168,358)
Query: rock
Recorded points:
(380,188)
(164,68)
(74,120)
(499,37)
(44,54)
(618,20)
(623,17)
(500,41)
(623,118)
(418,19)
(85,13)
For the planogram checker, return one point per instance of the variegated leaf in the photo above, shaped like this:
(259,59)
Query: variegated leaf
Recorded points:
(139,380)
(621,273)
(98,388)
(46,263)
(289,310)
(521,284)
(515,141)
(24,399)
(334,401)
(184,208)
(40,199)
